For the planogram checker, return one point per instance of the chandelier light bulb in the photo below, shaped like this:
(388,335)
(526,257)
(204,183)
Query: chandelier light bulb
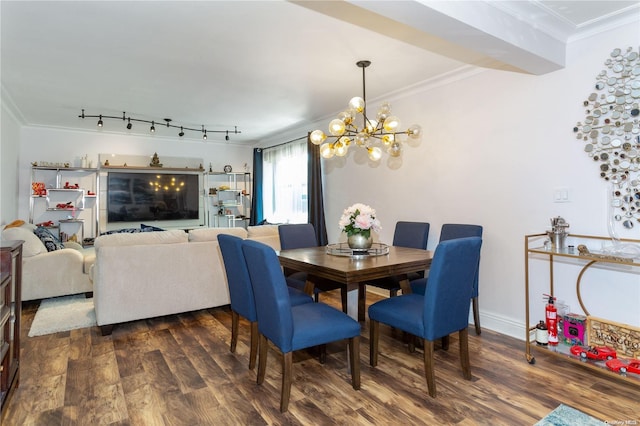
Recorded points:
(414,132)
(372,125)
(317,137)
(375,153)
(388,139)
(362,139)
(391,123)
(340,148)
(357,104)
(395,149)
(346,117)
(153,127)
(326,150)
(336,127)
(100,121)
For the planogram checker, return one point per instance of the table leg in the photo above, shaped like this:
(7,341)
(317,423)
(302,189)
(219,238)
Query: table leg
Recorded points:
(352,304)
(405,286)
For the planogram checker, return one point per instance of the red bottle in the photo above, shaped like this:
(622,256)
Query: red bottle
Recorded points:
(551,316)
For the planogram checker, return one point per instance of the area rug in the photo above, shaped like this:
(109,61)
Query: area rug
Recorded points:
(63,314)
(564,415)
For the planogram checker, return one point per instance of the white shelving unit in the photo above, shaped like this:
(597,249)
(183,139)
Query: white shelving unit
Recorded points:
(69,201)
(228,199)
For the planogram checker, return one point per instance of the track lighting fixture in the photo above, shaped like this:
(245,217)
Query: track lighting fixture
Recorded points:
(152,129)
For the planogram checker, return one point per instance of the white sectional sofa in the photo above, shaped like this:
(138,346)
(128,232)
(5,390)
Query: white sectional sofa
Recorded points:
(51,273)
(150,274)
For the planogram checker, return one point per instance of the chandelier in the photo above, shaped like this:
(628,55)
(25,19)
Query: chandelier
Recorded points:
(372,135)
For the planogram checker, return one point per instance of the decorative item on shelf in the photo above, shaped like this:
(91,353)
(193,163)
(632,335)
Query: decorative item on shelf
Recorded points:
(210,168)
(106,162)
(152,129)
(558,233)
(357,222)
(66,165)
(155,161)
(384,130)
(584,251)
(68,186)
(39,189)
(228,168)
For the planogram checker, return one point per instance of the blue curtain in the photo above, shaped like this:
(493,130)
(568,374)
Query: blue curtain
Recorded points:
(257,214)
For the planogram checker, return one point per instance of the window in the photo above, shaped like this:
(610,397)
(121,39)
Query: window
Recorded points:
(284,183)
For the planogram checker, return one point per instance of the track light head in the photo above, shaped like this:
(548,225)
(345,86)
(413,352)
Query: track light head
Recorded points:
(153,127)
(129,125)
(100,121)
(226,138)
(181,134)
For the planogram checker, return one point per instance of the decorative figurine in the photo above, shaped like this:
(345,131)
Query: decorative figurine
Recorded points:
(155,161)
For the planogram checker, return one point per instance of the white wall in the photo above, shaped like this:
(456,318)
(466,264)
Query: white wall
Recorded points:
(9,149)
(496,144)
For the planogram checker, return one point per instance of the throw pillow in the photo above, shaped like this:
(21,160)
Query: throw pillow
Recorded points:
(50,241)
(15,224)
(149,228)
(122,231)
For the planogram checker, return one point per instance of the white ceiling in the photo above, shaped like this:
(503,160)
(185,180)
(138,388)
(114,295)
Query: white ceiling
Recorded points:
(263,66)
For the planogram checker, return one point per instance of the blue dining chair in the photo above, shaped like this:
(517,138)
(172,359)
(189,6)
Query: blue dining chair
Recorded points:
(406,234)
(442,310)
(450,231)
(303,235)
(291,328)
(241,293)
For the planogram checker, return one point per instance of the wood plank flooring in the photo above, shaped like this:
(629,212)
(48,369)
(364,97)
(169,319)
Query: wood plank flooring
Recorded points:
(177,370)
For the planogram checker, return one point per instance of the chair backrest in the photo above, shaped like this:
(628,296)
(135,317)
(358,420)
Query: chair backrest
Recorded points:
(299,235)
(411,235)
(450,231)
(240,290)
(451,280)
(275,320)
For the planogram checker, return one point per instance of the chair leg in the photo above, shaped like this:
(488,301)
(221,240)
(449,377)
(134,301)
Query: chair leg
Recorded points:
(262,361)
(322,353)
(445,342)
(235,319)
(254,345)
(343,296)
(476,315)
(428,367)
(287,365)
(354,359)
(464,353)
(374,333)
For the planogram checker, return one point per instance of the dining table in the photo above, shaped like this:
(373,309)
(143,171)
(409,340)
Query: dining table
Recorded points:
(352,270)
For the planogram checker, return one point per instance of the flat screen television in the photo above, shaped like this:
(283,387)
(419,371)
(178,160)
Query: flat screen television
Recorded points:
(160,197)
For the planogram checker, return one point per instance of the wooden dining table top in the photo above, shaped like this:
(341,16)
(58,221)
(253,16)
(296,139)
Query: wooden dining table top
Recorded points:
(354,270)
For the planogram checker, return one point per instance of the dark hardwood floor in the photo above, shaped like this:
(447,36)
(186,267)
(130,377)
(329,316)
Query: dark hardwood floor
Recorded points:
(178,370)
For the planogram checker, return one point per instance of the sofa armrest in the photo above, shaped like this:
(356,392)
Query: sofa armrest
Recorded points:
(54,273)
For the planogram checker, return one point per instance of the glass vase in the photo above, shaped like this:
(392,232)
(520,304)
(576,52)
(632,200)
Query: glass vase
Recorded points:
(359,242)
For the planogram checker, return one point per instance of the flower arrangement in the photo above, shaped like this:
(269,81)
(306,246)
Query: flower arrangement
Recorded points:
(359,219)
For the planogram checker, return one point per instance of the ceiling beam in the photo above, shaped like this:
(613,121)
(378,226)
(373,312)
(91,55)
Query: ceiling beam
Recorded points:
(473,32)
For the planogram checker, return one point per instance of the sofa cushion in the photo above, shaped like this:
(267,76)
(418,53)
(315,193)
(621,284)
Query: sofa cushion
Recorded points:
(50,241)
(262,231)
(32,245)
(211,234)
(141,238)
(150,228)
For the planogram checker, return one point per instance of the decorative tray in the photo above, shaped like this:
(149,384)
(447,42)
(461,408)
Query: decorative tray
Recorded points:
(343,249)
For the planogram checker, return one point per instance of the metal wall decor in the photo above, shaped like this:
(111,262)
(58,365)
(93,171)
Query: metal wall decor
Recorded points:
(611,133)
